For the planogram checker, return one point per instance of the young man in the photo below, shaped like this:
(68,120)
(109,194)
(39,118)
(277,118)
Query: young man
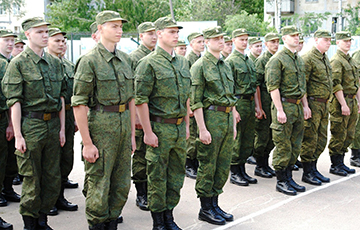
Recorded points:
(162,99)
(148,39)
(196,41)
(318,90)
(301,43)
(213,101)
(263,143)
(104,82)
(180,48)
(286,82)
(35,88)
(255,47)
(18,47)
(228,47)
(245,87)
(7,40)
(344,105)
(355,145)
(95,35)
(56,46)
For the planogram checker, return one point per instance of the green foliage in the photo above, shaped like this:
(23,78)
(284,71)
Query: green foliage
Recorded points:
(352,16)
(7,6)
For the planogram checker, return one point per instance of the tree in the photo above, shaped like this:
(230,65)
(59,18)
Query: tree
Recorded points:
(352,16)
(7,5)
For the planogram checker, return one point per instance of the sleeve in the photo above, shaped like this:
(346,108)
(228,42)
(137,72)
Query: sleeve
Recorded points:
(308,67)
(259,71)
(336,75)
(273,74)
(12,84)
(144,82)
(63,92)
(197,87)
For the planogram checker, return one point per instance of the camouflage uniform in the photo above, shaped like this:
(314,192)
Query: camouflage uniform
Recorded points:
(252,57)
(104,79)
(37,83)
(192,58)
(356,143)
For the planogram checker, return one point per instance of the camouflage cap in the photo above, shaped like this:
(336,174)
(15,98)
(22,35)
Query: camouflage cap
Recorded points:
(7,33)
(322,34)
(18,40)
(271,36)
(180,43)
(213,32)
(227,39)
(93,27)
(55,31)
(239,32)
(33,22)
(165,22)
(289,30)
(108,16)
(343,35)
(301,38)
(146,27)
(254,40)
(194,35)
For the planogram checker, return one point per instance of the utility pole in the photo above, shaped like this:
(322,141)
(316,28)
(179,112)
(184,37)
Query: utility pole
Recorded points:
(340,16)
(278,15)
(171,9)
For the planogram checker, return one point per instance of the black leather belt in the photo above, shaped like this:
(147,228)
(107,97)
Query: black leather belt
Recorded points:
(112,108)
(291,100)
(244,96)
(319,99)
(67,107)
(41,115)
(176,121)
(225,109)
(351,96)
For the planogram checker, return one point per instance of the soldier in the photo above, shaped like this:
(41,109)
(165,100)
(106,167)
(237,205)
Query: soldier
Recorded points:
(7,38)
(245,87)
(162,99)
(344,104)
(18,47)
(35,89)
(263,143)
(103,81)
(95,35)
(148,38)
(213,101)
(286,82)
(228,47)
(319,88)
(301,43)
(196,41)
(355,145)
(255,47)
(4,225)
(55,47)
(180,48)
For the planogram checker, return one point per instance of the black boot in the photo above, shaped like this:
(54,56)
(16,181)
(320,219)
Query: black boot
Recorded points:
(53,211)
(236,177)
(260,169)
(208,214)
(97,227)
(191,168)
(120,219)
(336,165)
(282,184)
(17,180)
(141,196)
(291,181)
(355,157)
(268,168)
(298,164)
(251,160)
(158,220)
(245,175)
(112,225)
(344,167)
(42,223)
(70,184)
(63,204)
(169,220)
(4,225)
(215,205)
(8,191)
(318,174)
(308,176)
(29,223)
(3,201)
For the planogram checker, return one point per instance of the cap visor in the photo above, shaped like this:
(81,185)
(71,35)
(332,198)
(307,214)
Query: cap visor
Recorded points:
(117,19)
(9,35)
(218,35)
(171,26)
(41,24)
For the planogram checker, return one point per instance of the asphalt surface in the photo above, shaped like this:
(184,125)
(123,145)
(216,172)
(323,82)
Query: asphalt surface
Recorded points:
(334,205)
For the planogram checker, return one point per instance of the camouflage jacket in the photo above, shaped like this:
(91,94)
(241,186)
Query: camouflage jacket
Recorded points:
(260,69)
(137,54)
(252,57)
(69,78)
(3,107)
(192,58)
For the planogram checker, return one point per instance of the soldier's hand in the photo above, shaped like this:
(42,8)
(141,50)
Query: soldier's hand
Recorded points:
(137,122)
(281,117)
(358,108)
(20,144)
(307,113)
(235,132)
(205,137)
(187,132)
(90,153)
(345,110)
(76,127)
(62,138)
(9,133)
(237,116)
(151,139)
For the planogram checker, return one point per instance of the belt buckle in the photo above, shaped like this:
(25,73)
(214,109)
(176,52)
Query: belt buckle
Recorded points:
(251,98)
(228,109)
(179,121)
(67,107)
(298,101)
(353,97)
(122,108)
(47,116)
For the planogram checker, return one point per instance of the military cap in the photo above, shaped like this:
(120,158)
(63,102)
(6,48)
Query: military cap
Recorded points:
(180,43)
(165,22)
(239,32)
(145,27)
(301,38)
(33,22)
(193,36)
(18,40)
(343,35)
(254,40)
(7,33)
(108,16)
(289,30)
(271,36)
(93,27)
(322,34)
(55,31)
(227,39)
(213,32)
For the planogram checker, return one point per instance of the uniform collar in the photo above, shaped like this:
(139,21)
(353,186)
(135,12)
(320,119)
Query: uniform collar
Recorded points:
(342,54)
(212,58)
(243,56)
(106,53)
(289,52)
(193,53)
(34,56)
(145,49)
(268,54)
(165,54)
(317,53)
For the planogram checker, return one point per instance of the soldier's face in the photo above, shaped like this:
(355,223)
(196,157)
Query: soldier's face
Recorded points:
(241,42)
(56,44)
(323,44)
(7,44)
(169,36)
(215,44)
(64,49)
(273,45)
(344,45)
(149,39)
(111,31)
(291,40)
(256,49)
(197,44)
(301,45)
(181,50)
(18,48)
(38,36)
(228,47)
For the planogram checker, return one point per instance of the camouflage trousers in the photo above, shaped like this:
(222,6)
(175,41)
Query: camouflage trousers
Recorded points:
(40,166)
(138,160)
(215,158)
(67,151)
(342,128)
(315,133)
(3,149)
(356,142)
(191,142)
(244,142)
(108,179)
(263,143)
(287,137)
(166,166)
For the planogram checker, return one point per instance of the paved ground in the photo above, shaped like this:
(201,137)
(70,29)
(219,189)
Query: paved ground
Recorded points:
(331,206)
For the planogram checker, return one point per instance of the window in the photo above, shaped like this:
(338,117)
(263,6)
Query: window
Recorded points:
(16,9)
(2,11)
(311,1)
